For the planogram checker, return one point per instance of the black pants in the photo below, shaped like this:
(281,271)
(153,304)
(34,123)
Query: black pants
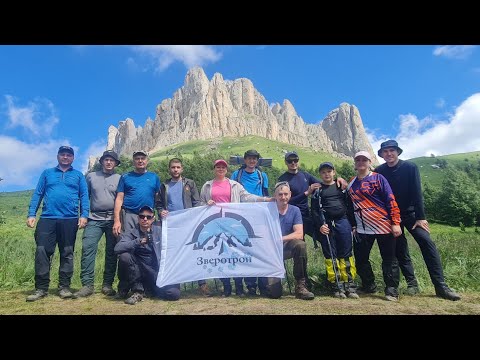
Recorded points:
(391,274)
(48,233)
(311,228)
(142,277)
(429,252)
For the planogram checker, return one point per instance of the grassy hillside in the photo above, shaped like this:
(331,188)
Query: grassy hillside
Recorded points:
(435,176)
(237,146)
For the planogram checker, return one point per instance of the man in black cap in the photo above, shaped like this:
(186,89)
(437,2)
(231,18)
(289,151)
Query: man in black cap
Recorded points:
(62,188)
(139,259)
(255,182)
(404,179)
(102,188)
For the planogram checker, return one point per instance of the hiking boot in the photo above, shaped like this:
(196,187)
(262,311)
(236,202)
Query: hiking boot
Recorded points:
(37,295)
(121,295)
(411,290)
(301,291)
(339,294)
(84,292)
(204,290)
(65,293)
(251,291)
(352,295)
(369,289)
(446,293)
(391,298)
(135,298)
(107,290)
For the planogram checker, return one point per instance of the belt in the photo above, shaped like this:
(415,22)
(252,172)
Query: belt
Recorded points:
(102,213)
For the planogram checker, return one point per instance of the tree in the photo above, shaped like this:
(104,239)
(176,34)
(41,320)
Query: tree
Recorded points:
(459,199)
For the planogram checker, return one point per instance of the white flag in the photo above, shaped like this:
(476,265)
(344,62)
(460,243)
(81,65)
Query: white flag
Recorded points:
(221,241)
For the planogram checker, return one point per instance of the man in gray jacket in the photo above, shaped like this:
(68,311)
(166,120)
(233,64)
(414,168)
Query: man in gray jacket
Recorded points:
(102,188)
(178,193)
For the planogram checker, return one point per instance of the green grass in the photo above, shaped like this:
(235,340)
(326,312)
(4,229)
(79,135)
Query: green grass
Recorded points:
(435,176)
(309,157)
(459,251)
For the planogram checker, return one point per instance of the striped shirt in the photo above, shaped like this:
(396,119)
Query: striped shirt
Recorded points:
(374,204)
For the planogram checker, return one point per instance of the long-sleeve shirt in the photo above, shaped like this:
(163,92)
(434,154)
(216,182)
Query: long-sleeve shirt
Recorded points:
(61,193)
(404,178)
(299,183)
(374,204)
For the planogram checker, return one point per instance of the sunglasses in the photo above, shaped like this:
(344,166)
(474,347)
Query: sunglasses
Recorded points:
(292,161)
(282,183)
(148,217)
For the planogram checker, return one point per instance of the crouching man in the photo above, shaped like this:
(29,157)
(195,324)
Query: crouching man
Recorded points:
(293,246)
(139,259)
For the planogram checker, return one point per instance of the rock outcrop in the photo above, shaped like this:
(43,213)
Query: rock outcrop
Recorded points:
(203,109)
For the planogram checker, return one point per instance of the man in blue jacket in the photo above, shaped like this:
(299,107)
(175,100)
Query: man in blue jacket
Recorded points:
(62,188)
(139,259)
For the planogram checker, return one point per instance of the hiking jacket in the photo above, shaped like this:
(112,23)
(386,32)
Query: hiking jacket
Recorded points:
(191,197)
(237,194)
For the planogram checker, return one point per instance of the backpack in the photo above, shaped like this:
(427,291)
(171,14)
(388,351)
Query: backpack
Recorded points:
(257,170)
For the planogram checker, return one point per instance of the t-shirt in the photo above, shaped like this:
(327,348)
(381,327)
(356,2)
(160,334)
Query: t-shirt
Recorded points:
(299,183)
(333,202)
(102,189)
(139,189)
(221,191)
(175,195)
(290,218)
(251,181)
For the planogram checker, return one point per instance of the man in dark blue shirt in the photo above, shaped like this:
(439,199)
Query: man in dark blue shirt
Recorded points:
(404,179)
(61,188)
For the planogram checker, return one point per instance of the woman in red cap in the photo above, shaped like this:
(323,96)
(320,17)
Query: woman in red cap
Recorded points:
(224,190)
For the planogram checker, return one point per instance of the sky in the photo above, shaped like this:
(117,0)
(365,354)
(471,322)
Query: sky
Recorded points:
(427,97)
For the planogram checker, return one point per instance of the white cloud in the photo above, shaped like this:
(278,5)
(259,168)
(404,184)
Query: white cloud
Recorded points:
(458,133)
(95,149)
(21,163)
(190,55)
(38,118)
(454,51)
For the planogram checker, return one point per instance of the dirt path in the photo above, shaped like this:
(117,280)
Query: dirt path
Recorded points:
(13,302)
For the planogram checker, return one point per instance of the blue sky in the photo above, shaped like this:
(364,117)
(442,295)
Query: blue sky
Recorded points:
(426,97)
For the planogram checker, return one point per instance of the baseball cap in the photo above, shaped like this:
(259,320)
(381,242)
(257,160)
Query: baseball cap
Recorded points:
(291,154)
(363,153)
(326,164)
(65,149)
(251,153)
(140,152)
(146,207)
(220,161)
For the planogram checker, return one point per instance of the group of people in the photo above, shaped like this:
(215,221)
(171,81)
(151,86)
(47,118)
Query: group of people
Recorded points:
(346,218)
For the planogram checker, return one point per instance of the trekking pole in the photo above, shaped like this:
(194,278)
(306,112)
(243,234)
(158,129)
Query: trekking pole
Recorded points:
(334,262)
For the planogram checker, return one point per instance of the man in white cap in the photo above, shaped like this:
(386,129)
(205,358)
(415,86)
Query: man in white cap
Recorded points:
(135,189)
